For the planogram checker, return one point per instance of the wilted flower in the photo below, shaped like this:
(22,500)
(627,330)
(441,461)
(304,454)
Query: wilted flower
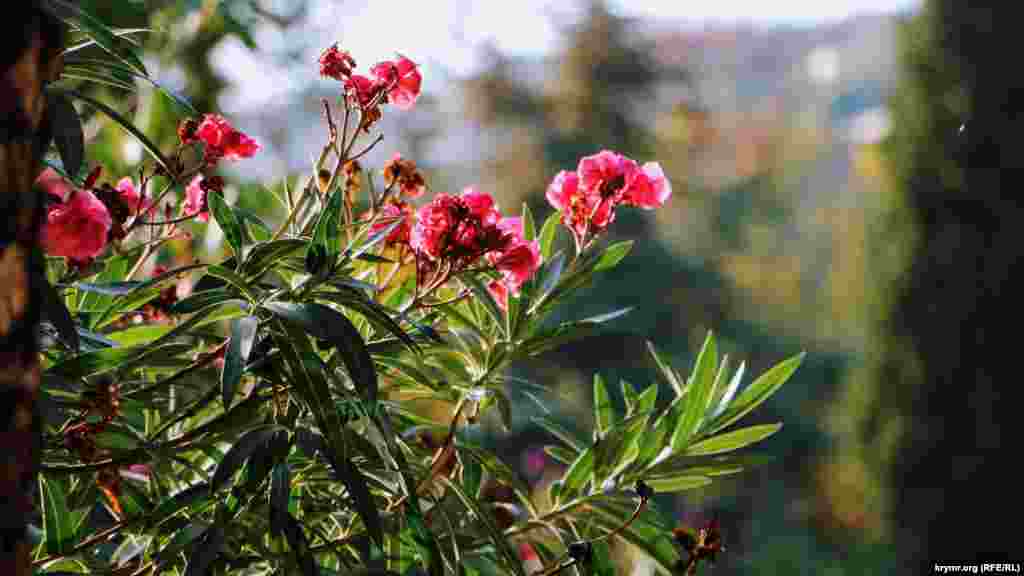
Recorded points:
(388,214)
(403,173)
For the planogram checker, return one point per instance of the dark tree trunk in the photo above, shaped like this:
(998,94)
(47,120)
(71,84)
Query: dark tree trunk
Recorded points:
(29,56)
(958,393)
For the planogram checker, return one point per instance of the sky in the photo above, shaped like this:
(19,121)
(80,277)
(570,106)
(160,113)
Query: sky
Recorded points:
(444,37)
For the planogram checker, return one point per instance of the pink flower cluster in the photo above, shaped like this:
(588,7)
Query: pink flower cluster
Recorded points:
(587,198)
(393,81)
(452,232)
(83,221)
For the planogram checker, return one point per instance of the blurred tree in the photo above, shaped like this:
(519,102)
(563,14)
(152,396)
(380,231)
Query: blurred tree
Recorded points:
(933,409)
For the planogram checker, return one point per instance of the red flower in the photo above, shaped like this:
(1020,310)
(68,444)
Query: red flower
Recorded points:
(337,64)
(223,141)
(481,206)
(195,200)
(401,79)
(77,228)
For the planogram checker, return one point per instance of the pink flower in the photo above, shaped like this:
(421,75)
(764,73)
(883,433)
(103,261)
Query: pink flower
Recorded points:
(391,211)
(499,292)
(77,228)
(223,141)
(587,198)
(195,200)
(517,263)
(361,89)
(649,188)
(481,206)
(131,196)
(335,63)
(435,222)
(401,79)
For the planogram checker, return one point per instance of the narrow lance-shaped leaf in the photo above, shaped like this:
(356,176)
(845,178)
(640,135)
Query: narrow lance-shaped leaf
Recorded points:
(327,232)
(604,412)
(701,386)
(243,333)
(729,392)
(56,518)
(96,29)
(126,125)
(760,390)
(280,495)
(227,221)
(733,440)
(329,324)
(529,228)
(67,131)
(613,255)
(547,234)
(239,453)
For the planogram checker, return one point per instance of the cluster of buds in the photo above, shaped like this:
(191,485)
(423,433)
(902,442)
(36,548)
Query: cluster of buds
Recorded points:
(588,197)
(389,82)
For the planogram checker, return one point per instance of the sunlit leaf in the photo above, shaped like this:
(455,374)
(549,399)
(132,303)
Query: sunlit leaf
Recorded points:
(243,333)
(760,390)
(733,440)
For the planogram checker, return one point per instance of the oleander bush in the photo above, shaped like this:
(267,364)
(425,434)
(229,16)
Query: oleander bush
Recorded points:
(261,419)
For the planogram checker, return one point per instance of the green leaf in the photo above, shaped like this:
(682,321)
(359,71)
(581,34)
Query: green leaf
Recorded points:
(604,412)
(529,228)
(578,473)
(547,234)
(180,501)
(127,125)
(558,432)
(613,255)
(701,386)
(95,29)
(566,332)
(97,361)
(327,232)
(53,309)
(129,302)
(67,131)
(329,324)
(669,373)
(239,453)
(228,222)
(377,314)
(730,391)
(231,278)
(300,546)
(280,496)
(264,255)
(509,558)
(733,440)
(200,300)
(560,453)
(760,390)
(57,521)
(243,332)
(108,288)
(677,483)
(629,396)
(483,296)
(206,551)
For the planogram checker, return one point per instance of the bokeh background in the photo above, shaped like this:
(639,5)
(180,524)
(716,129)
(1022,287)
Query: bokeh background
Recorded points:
(775,122)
